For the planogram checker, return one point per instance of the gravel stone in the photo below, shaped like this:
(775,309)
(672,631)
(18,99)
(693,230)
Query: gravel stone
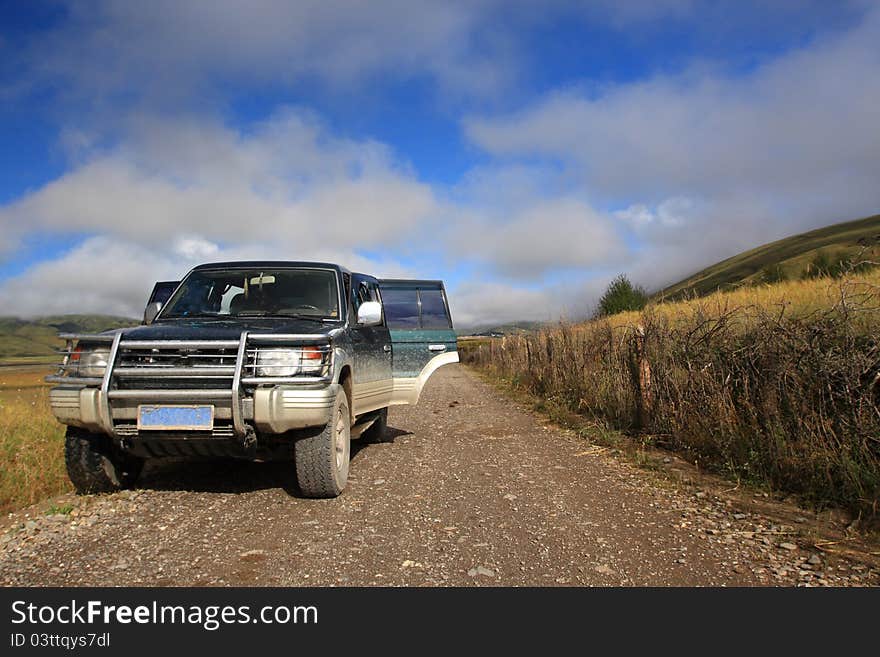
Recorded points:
(434,516)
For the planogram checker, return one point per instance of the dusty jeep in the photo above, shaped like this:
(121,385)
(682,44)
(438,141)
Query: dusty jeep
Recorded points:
(257,360)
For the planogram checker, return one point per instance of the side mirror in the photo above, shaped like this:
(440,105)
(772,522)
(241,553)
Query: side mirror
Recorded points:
(370,313)
(151,311)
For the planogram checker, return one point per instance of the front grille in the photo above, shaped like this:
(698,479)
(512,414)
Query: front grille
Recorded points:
(173,383)
(176,357)
(139,368)
(130,430)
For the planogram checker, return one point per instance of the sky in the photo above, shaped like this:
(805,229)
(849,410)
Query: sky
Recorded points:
(526,153)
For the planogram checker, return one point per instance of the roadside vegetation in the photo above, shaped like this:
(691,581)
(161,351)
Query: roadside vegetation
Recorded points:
(621,296)
(31,441)
(774,384)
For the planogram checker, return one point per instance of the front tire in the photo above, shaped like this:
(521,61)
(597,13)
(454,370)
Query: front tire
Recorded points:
(94,465)
(322,460)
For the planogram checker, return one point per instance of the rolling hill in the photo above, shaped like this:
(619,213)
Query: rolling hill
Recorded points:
(512,328)
(34,340)
(789,257)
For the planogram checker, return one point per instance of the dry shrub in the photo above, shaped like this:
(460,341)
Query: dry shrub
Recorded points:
(782,393)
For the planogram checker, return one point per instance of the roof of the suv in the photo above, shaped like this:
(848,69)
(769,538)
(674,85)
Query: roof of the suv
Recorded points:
(269,264)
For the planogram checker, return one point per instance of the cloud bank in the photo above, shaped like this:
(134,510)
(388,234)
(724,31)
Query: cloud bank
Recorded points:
(656,176)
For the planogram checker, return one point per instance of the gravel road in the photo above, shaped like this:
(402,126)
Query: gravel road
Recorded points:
(473,491)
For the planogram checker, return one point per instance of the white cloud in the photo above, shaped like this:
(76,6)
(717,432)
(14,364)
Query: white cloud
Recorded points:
(671,213)
(755,156)
(101,275)
(542,236)
(173,193)
(485,303)
(654,178)
(195,248)
(288,182)
(168,52)
(109,275)
(177,50)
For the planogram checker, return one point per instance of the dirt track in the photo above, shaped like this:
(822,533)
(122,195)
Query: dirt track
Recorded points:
(473,491)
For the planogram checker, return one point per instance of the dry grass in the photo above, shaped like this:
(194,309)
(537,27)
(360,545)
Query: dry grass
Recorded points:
(31,441)
(793,298)
(778,385)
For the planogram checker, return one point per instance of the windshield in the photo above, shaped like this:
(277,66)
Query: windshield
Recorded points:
(308,293)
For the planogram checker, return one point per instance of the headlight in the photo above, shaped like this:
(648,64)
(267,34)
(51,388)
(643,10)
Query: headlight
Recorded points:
(312,360)
(90,363)
(278,362)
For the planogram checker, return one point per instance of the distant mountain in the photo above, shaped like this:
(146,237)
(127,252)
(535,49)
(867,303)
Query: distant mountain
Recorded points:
(512,328)
(38,337)
(786,258)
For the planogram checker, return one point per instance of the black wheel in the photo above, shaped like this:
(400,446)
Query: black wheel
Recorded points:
(322,460)
(94,465)
(378,431)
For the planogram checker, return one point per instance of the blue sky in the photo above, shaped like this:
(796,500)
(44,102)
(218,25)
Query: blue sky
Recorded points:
(524,152)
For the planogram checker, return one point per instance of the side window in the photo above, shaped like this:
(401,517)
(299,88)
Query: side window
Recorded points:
(363,293)
(401,308)
(434,314)
(374,291)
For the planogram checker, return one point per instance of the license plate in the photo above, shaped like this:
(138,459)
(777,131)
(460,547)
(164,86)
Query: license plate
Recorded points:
(175,418)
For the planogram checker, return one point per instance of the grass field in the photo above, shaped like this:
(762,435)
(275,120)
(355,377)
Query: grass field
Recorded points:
(776,385)
(31,441)
(858,240)
(35,340)
(793,298)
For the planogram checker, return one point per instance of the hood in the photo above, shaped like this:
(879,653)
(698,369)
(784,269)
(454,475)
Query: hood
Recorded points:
(212,329)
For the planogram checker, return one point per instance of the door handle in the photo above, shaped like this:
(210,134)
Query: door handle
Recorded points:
(436,347)
(386,347)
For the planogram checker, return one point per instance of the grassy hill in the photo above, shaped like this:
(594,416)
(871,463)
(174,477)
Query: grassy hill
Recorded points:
(788,258)
(34,340)
(513,328)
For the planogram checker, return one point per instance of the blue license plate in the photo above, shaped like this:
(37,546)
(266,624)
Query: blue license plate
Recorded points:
(175,418)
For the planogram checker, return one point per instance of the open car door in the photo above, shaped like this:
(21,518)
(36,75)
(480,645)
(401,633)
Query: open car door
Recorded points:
(162,291)
(422,337)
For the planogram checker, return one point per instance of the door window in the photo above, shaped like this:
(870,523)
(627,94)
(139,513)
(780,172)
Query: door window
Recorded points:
(433,310)
(413,308)
(401,308)
(162,291)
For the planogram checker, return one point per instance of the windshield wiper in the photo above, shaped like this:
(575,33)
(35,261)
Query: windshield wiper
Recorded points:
(255,313)
(192,316)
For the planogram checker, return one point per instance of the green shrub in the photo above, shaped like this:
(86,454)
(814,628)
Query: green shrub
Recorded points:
(621,296)
(823,266)
(773,274)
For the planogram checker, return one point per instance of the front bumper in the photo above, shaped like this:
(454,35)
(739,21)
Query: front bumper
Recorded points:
(271,410)
(226,377)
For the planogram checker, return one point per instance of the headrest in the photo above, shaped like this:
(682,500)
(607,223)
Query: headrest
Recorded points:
(236,305)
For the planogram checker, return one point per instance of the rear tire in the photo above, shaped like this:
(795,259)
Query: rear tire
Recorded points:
(322,460)
(94,465)
(378,431)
